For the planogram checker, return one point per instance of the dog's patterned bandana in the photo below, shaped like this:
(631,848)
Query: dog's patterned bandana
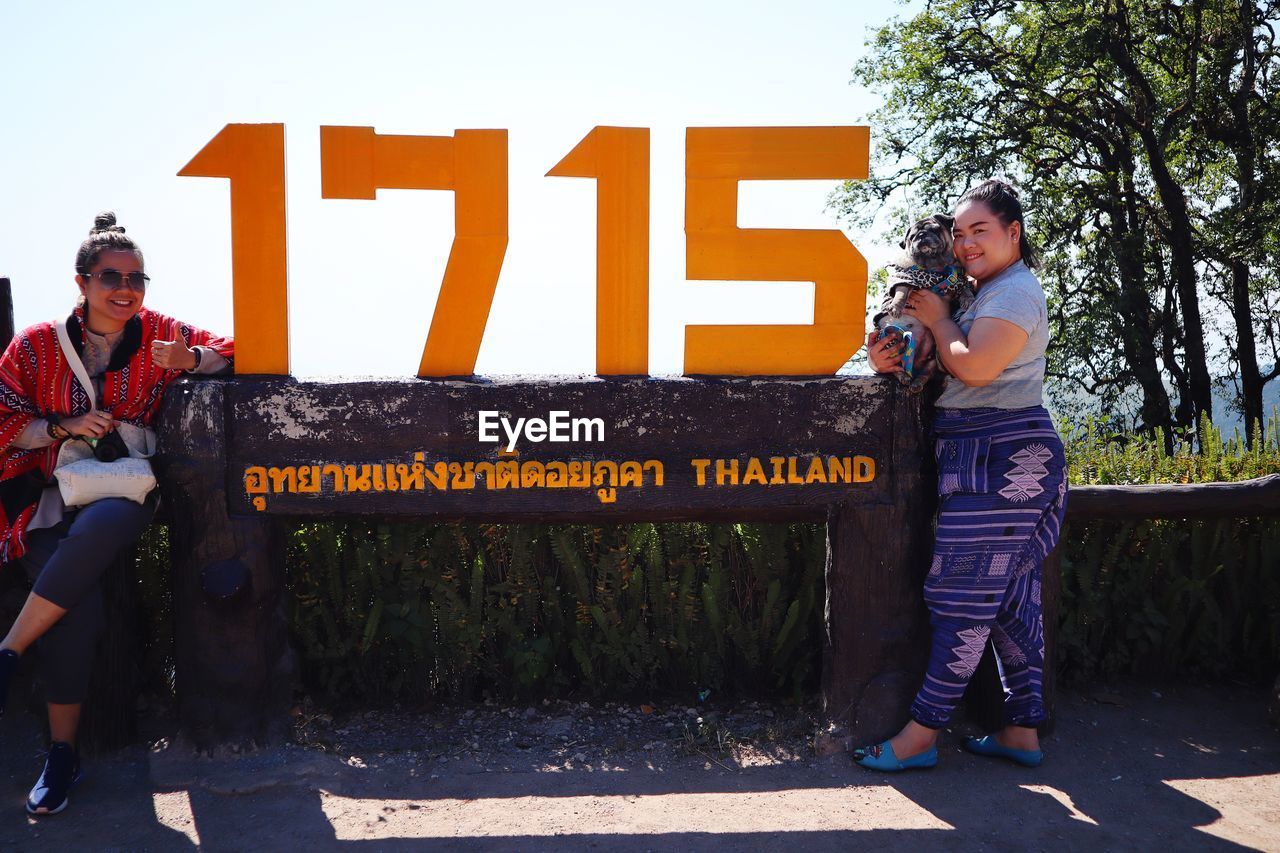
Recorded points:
(948,282)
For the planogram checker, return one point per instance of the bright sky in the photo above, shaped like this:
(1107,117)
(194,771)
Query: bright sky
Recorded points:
(103,104)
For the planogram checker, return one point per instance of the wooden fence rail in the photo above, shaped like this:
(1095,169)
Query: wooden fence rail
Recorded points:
(1242,499)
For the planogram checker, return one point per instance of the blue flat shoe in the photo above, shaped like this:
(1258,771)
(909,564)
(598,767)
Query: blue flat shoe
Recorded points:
(61,771)
(991,747)
(880,757)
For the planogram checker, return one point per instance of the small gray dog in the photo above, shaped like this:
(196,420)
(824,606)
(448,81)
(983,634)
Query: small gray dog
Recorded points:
(929,262)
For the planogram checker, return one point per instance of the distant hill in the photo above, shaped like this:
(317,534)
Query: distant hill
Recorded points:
(1228,421)
(1225,418)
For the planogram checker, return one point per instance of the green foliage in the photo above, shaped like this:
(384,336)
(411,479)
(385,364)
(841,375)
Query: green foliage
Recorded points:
(412,612)
(1099,454)
(1166,597)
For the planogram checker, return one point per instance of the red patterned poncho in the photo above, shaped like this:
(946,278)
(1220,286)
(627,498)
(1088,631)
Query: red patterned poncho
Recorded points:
(35,379)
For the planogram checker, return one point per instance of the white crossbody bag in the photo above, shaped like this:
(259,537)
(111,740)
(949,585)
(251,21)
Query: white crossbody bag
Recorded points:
(82,478)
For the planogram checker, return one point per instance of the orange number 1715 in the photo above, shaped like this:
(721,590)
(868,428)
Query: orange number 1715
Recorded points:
(355,162)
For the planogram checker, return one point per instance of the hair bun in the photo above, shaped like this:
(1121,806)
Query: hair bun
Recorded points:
(105,221)
(992,186)
(1007,186)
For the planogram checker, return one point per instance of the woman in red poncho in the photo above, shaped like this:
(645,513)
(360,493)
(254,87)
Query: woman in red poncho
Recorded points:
(130,355)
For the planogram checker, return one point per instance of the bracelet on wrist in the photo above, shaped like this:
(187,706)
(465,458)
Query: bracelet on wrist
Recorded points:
(199,354)
(53,426)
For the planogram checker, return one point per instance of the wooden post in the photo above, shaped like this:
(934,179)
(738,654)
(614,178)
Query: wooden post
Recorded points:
(110,719)
(877,627)
(234,667)
(6,313)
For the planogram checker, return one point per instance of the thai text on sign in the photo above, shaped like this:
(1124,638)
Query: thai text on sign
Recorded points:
(605,476)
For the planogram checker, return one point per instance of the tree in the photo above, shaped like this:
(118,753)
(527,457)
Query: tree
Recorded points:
(1235,141)
(1098,113)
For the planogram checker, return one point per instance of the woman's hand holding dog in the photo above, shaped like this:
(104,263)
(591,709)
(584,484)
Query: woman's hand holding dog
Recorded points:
(928,307)
(884,353)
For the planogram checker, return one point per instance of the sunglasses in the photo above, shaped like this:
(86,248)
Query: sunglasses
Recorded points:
(136,281)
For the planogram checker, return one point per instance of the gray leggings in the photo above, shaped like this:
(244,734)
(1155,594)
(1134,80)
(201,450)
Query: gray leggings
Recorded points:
(65,564)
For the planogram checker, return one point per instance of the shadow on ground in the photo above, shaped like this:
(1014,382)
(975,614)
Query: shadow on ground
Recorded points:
(1174,768)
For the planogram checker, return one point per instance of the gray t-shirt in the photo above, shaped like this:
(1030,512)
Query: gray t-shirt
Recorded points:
(1014,295)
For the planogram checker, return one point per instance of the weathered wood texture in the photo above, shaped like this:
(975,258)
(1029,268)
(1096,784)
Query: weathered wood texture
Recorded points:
(6,313)
(110,719)
(1259,496)
(231,651)
(281,424)
(233,662)
(877,637)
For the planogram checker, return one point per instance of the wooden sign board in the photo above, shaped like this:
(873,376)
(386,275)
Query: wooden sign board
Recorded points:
(236,454)
(558,449)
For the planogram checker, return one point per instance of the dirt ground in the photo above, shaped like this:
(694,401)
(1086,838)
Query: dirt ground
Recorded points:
(1158,766)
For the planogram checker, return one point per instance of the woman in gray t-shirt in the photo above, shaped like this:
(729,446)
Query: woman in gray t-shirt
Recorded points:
(1001,487)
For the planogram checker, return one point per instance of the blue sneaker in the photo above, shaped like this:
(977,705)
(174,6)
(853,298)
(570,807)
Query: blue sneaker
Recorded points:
(880,757)
(8,666)
(61,771)
(989,746)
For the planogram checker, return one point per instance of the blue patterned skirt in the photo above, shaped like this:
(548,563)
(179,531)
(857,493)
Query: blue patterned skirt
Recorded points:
(1002,495)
